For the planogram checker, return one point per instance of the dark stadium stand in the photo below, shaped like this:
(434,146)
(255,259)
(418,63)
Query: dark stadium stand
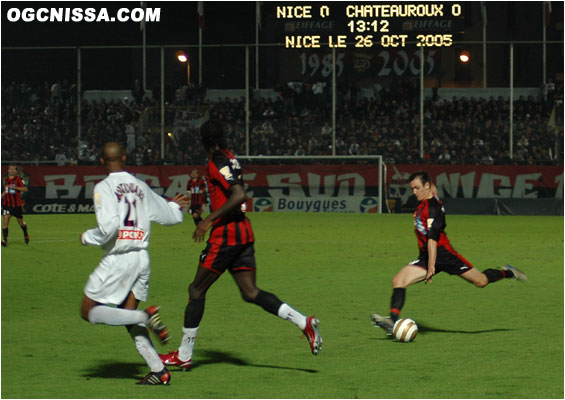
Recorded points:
(39,124)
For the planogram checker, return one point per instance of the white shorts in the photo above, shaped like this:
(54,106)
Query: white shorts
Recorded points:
(117,275)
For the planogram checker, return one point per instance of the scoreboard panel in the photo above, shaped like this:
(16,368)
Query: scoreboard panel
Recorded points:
(424,24)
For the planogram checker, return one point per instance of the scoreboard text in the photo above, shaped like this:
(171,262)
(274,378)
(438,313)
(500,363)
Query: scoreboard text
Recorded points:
(370,25)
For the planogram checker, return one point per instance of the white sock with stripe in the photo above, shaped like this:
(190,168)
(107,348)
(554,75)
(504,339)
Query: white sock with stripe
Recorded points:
(290,314)
(187,343)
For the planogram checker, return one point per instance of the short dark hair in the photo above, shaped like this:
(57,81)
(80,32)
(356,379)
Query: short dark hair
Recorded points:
(112,152)
(423,175)
(212,134)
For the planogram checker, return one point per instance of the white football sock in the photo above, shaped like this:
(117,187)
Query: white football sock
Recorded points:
(187,343)
(145,348)
(289,313)
(116,316)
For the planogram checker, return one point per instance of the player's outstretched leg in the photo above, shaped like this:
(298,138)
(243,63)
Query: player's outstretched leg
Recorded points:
(385,323)
(491,275)
(269,302)
(156,378)
(517,274)
(308,325)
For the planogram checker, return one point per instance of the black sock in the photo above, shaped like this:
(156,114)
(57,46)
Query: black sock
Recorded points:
(197,220)
(5,234)
(397,302)
(24,228)
(268,301)
(494,275)
(193,313)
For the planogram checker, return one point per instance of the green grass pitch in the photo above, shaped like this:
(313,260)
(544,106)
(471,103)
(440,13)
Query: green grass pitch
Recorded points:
(503,341)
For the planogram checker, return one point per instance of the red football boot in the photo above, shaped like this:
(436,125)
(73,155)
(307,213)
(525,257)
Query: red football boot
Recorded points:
(172,358)
(313,334)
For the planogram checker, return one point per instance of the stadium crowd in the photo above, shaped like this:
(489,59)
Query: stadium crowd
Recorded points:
(39,123)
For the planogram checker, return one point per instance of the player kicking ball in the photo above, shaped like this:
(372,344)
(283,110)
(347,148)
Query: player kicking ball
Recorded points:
(436,253)
(230,247)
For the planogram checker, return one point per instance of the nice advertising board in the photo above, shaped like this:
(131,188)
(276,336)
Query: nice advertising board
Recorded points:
(300,188)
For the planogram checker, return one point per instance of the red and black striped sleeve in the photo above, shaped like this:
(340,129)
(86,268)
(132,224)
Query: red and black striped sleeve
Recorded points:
(222,170)
(436,219)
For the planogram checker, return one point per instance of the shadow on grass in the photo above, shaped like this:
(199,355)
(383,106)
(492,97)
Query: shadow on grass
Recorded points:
(423,329)
(109,369)
(220,357)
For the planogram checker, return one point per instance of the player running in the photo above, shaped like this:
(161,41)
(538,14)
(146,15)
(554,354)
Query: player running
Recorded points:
(230,247)
(196,189)
(12,203)
(125,207)
(436,253)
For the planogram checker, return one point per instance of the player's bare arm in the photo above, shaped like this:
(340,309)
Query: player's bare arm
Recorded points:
(19,188)
(237,196)
(432,255)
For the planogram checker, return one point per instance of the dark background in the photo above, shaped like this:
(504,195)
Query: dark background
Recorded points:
(226,22)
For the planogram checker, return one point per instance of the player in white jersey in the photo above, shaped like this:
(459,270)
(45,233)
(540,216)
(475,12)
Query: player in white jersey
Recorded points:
(125,208)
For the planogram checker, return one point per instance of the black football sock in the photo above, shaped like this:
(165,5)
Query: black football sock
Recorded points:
(397,302)
(197,220)
(268,301)
(24,228)
(494,275)
(193,313)
(5,234)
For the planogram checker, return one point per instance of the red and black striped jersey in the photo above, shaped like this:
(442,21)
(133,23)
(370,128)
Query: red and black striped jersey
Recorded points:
(429,223)
(224,171)
(197,190)
(12,197)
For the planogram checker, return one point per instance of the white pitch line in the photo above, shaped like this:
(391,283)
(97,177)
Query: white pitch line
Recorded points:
(52,241)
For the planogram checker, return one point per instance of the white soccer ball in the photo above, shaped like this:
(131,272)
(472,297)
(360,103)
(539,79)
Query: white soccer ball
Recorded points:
(405,330)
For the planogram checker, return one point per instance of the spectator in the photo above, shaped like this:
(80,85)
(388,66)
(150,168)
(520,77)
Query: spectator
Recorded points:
(56,93)
(61,158)
(130,135)
(444,157)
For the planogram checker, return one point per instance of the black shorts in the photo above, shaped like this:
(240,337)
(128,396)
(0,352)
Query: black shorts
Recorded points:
(448,260)
(17,211)
(217,258)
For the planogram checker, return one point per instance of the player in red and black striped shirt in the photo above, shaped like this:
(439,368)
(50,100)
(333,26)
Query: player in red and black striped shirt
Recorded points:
(436,254)
(230,247)
(196,188)
(12,203)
